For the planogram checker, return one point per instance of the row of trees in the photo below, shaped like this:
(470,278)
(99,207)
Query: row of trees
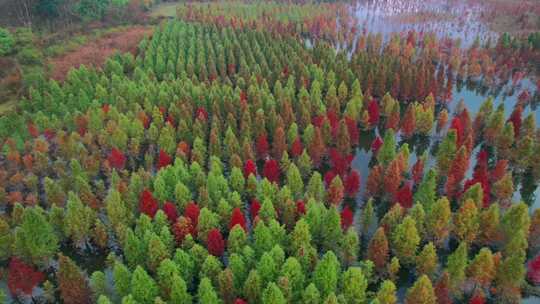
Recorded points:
(496,63)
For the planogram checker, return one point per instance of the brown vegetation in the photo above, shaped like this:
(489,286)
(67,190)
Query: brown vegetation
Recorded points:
(95,53)
(10,77)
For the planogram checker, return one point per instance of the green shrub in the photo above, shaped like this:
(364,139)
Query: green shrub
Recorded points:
(55,50)
(33,77)
(6,42)
(30,56)
(81,39)
(23,38)
(534,40)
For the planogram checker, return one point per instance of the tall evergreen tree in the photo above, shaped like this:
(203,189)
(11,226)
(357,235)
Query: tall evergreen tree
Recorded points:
(405,240)
(273,295)
(427,260)
(354,285)
(387,293)
(72,284)
(206,293)
(387,151)
(143,288)
(326,274)
(421,292)
(35,239)
(179,293)
(377,250)
(456,266)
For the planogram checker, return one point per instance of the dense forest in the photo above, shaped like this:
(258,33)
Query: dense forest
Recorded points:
(267,152)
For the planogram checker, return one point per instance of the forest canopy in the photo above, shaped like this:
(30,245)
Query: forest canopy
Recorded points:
(276,152)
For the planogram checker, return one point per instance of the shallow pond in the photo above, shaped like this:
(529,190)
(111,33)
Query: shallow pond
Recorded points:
(445,18)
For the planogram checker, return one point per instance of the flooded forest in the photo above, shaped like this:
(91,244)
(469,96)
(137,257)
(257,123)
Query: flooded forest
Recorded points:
(274,152)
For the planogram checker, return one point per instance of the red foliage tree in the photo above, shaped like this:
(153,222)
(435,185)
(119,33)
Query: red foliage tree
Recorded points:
(373,111)
(148,204)
(171,212)
(279,143)
(335,192)
(354,133)
(271,170)
(376,144)
(481,160)
(318,121)
(460,165)
(456,125)
(82,124)
(300,207)
(392,177)
(499,170)
(457,172)
(451,185)
(262,146)
(329,177)
(378,250)
(442,289)
(317,147)
(340,163)
(375,180)
(22,278)
(515,119)
(72,283)
(117,159)
(394,91)
(170,121)
(237,218)
(485,189)
(346,218)
(163,111)
(466,122)
(49,134)
(215,243)
(478,298)
(296,147)
(405,196)
(164,159)
(192,212)
(201,114)
(392,121)
(105,108)
(480,175)
(533,270)
(145,119)
(408,123)
(182,228)
(32,130)
(418,170)
(243,96)
(334,122)
(240,301)
(183,149)
(468,142)
(250,168)
(254,208)
(352,183)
